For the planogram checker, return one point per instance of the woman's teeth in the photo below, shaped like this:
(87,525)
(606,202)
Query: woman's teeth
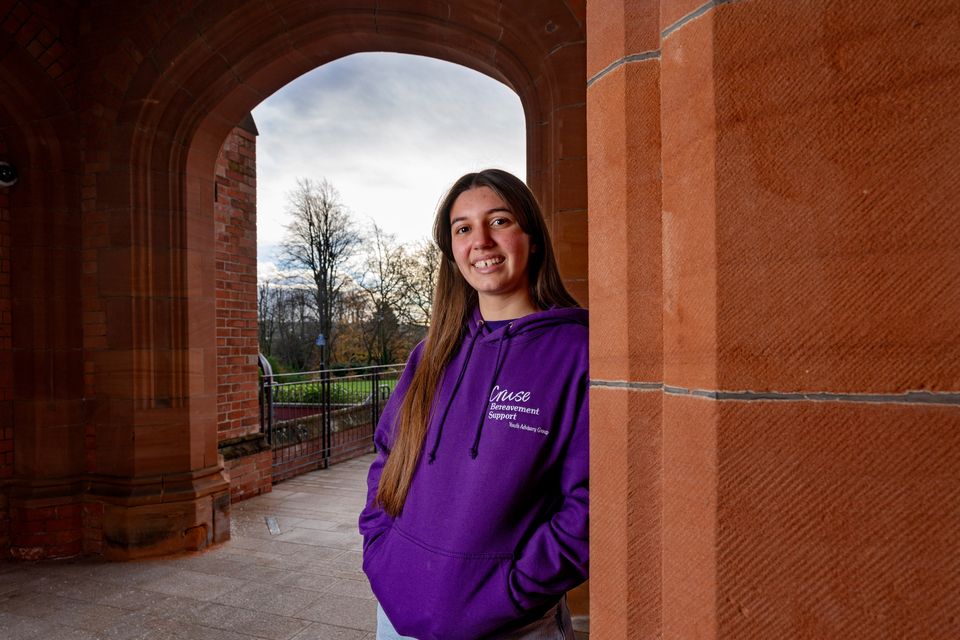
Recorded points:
(487,263)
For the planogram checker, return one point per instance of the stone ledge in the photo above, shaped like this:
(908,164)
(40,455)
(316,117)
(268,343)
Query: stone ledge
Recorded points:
(243,446)
(171,487)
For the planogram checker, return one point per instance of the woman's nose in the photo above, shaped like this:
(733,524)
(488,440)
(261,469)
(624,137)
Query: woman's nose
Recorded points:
(482,237)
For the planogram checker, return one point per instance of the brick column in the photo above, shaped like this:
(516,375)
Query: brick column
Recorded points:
(797,477)
(247,455)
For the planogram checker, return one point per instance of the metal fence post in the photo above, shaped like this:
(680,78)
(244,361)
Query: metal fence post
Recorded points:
(326,417)
(374,405)
(308,430)
(269,390)
(266,396)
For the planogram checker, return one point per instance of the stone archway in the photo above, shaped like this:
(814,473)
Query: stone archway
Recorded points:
(198,81)
(750,464)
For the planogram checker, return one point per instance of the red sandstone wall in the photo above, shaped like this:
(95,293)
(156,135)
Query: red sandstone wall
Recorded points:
(41,267)
(838,271)
(133,154)
(775,287)
(624,151)
(6,364)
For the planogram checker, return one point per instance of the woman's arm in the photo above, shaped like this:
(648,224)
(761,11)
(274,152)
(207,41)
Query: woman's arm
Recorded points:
(373,519)
(556,557)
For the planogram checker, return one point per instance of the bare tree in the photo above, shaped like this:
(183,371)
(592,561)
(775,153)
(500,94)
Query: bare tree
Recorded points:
(267,314)
(321,239)
(420,280)
(384,281)
(355,338)
(296,328)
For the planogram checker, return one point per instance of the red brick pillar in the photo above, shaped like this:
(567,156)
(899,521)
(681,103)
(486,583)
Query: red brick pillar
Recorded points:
(789,469)
(247,455)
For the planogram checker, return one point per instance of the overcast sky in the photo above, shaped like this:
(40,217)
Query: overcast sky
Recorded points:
(391,132)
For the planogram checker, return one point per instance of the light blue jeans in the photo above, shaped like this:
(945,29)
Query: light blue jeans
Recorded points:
(554,625)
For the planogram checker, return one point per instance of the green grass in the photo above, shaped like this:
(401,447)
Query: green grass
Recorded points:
(341,392)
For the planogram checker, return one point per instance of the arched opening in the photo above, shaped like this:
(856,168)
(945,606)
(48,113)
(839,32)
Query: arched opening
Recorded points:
(177,111)
(389,133)
(763,343)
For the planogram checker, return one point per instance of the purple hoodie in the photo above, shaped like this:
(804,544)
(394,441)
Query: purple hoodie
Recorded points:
(495,526)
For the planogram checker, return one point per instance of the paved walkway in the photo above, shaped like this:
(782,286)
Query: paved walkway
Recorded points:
(303,583)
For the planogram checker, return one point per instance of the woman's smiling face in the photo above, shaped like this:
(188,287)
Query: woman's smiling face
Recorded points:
(490,248)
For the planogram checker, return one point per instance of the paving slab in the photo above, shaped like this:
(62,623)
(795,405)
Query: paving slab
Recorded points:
(304,582)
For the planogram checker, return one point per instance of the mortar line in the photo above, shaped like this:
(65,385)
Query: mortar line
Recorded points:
(907,397)
(633,57)
(655,53)
(693,15)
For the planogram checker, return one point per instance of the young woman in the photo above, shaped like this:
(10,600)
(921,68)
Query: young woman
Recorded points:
(476,518)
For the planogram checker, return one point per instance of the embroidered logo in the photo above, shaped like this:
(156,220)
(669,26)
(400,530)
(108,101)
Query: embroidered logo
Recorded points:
(506,405)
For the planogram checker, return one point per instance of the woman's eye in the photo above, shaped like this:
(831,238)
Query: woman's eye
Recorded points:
(500,221)
(460,230)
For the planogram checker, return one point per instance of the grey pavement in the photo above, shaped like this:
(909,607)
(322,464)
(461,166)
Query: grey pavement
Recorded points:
(303,582)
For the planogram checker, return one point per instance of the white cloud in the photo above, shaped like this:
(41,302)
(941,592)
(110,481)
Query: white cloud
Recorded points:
(390,131)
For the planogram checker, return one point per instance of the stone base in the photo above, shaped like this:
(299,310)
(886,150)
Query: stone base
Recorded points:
(165,515)
(44,519)
(166,528)
(120,518)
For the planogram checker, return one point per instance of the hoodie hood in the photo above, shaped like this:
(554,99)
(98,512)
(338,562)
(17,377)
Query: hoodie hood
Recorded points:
(538,320)
(478,331)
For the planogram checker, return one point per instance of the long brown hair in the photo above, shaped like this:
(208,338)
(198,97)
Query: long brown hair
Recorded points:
(453,301)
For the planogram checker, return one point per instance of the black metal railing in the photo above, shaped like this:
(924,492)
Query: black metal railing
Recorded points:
(316,418)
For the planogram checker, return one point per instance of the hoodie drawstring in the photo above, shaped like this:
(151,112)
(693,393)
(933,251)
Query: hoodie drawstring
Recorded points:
(456,387)
(474,450)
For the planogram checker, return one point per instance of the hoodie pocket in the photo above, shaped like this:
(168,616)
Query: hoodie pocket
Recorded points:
(372,543)
(435,594)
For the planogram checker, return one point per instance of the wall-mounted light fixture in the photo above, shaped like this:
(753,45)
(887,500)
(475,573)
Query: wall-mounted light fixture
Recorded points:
(8,174)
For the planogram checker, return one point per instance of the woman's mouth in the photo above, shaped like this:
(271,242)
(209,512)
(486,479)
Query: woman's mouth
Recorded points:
(488,262)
